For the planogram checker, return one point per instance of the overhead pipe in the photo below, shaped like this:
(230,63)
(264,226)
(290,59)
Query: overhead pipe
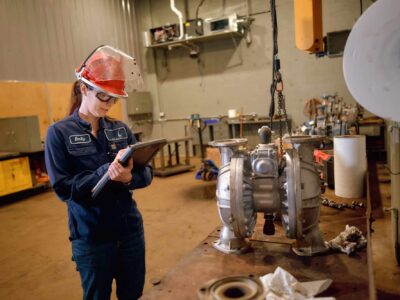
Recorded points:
(186,10)
(179,14)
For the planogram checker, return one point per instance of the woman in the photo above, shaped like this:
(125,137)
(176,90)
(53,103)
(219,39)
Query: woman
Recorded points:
(106,232)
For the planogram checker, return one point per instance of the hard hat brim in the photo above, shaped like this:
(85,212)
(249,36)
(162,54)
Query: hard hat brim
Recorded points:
(120,94)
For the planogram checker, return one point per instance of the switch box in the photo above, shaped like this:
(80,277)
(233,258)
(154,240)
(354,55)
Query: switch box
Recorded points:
(20,134)
(139,103)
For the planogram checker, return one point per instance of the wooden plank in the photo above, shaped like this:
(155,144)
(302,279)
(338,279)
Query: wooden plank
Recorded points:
(49,101)
(116,111)
(24,99)
(59,95)
(60,102)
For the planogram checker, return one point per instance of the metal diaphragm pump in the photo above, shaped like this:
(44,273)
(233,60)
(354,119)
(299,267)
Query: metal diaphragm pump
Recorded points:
(256,181)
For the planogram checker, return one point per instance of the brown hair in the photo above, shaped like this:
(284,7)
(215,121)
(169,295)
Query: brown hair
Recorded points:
(76,96)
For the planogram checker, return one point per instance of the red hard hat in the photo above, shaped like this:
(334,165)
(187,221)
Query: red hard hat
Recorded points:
(110,70)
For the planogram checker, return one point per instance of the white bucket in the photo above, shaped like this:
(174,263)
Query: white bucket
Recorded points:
(232,113)
(350,164)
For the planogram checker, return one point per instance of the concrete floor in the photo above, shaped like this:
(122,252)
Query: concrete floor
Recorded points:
(178,211)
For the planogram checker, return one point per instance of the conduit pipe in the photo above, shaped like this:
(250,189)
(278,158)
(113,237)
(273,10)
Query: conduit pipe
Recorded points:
(179,14)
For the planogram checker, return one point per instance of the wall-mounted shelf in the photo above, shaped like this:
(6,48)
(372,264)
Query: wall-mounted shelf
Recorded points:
(187,34)
(196,39)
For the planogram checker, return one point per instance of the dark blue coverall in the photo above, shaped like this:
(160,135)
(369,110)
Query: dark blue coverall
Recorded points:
(106,232)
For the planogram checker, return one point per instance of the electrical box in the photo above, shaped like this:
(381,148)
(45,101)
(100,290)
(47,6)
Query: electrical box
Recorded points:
(20,134)
(195,30)
(139,103)
(335,42)
(223,24)
(162,34)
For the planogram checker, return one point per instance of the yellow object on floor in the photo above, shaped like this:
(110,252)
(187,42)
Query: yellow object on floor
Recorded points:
(15,175)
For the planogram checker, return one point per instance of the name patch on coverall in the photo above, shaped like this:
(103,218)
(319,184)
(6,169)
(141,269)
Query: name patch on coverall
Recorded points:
(80,139)
(116,134)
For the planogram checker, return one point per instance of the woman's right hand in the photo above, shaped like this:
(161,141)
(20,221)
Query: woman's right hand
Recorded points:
(118,172)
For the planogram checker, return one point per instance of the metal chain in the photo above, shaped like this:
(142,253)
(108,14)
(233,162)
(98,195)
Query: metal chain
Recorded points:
(281,109)
(280,123)
(277,83)
(280,95)
(282,105)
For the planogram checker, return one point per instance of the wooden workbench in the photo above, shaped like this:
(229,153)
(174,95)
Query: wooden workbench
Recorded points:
(204,263)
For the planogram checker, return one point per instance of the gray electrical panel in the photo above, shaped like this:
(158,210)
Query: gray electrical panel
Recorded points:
(139,103)
(335,42)
(20,134)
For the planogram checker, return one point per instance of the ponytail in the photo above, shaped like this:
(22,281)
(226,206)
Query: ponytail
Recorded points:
(76,96)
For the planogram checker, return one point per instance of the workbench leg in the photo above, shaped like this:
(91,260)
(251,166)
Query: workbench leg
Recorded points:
(169,156)
(177,152)
(187,159)
(162,159)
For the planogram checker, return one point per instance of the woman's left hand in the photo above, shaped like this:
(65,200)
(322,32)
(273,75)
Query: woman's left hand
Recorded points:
(118,172)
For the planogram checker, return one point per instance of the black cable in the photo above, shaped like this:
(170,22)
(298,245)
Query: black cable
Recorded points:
(274,58)
(272,104)
(361,7)
(274,28)
(391,172)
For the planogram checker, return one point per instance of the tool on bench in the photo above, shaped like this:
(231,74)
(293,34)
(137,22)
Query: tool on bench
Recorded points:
(333,204)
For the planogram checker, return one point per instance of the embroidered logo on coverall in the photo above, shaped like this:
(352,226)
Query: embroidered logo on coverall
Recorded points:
(116,134)
(80,139)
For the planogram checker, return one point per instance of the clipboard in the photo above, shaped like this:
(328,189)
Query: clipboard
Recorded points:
(143,152)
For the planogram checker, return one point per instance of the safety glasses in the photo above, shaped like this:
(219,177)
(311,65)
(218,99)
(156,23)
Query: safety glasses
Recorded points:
(103,97)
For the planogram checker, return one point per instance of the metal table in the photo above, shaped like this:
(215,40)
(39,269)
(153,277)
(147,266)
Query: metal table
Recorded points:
(171,167)
(350,275)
